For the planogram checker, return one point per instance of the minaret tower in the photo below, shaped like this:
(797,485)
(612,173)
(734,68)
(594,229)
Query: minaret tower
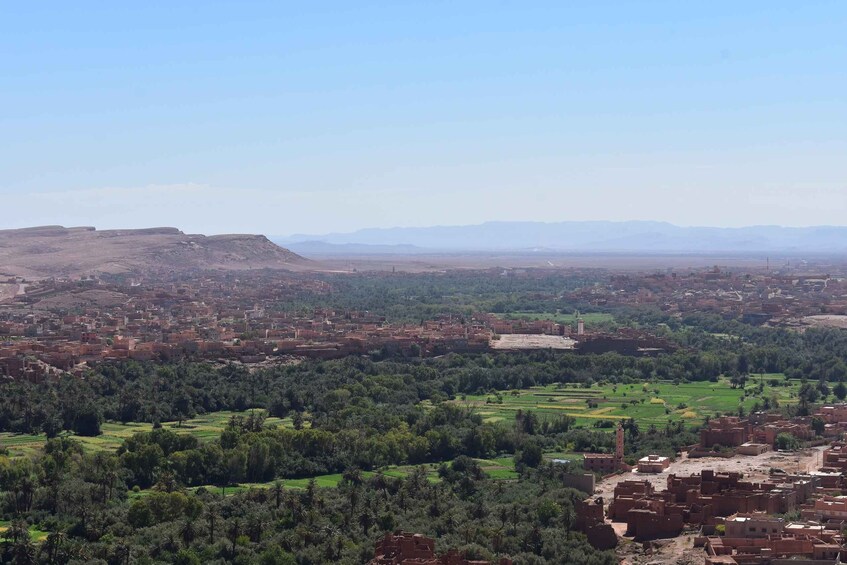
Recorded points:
(619,445)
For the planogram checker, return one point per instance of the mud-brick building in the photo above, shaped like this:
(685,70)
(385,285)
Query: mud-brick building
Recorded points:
(404,548)
(606,463)
(728,431)
(591,520)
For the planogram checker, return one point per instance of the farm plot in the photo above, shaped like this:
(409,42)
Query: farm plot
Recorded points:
(648,403)
(498,469)
(205,427)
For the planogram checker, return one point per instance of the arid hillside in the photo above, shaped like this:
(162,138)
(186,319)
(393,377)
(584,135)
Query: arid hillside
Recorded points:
(57,251)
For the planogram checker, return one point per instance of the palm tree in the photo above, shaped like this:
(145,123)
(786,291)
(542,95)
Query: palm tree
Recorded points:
(212,520)
(232,533)
(277,492)
(187,532)
(52,546)
(123,553)
(18,548)
(255,527)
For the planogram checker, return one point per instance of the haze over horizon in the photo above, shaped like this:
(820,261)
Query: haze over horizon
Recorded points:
(256,118)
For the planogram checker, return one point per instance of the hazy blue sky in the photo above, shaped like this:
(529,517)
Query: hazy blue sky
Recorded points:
(280,117)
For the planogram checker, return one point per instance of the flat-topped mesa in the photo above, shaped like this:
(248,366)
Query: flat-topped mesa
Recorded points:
(45,231)
(58,251)
(141,231)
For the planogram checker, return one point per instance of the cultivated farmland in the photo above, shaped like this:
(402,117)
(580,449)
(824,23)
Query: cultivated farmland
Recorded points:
(205,427)
(648,403)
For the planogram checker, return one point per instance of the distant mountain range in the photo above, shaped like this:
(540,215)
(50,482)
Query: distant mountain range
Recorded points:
(624,237)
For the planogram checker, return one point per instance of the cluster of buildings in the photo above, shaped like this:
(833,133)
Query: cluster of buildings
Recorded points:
(781,519)
(66,326)
(759,432)
(740,522)
(761,539)
(778,296)
(704,499)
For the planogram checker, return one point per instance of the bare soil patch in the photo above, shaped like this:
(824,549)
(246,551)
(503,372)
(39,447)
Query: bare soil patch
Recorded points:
(522,341)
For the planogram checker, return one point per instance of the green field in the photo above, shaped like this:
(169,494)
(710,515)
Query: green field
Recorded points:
(649,403)
(501,468)
(590,318)
(35,533)
(205,427)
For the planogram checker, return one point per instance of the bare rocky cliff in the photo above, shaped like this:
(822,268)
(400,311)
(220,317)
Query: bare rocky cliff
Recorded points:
(57,251)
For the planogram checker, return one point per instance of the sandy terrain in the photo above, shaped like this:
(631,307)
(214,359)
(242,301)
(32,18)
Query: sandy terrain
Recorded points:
(521,341)
(8,291)
(827,320)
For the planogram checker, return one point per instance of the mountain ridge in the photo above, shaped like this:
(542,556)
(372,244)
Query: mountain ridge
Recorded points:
(45,251)
(600,236)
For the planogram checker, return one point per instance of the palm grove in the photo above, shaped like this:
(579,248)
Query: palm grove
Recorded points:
(160,497)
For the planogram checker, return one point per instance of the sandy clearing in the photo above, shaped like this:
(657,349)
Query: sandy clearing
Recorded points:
(8,291)
(524,341)
(827,320)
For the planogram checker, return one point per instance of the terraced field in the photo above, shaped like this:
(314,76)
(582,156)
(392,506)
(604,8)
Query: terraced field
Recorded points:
(205,427)
(648,403)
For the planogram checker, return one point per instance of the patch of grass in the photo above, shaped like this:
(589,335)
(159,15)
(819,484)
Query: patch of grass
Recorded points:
(205,427)
(565,455)
(649,403)
(500,468)
(36,534)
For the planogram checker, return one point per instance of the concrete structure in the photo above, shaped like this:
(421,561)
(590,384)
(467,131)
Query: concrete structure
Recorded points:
(753,526)
(751,448)
(826,508)
(653,464)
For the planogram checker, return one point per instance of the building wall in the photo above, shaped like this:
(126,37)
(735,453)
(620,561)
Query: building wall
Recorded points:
(584,482)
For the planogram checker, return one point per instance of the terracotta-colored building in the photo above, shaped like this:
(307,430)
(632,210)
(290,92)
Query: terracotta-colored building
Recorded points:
(403,548)
(607,463)
(728,431)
